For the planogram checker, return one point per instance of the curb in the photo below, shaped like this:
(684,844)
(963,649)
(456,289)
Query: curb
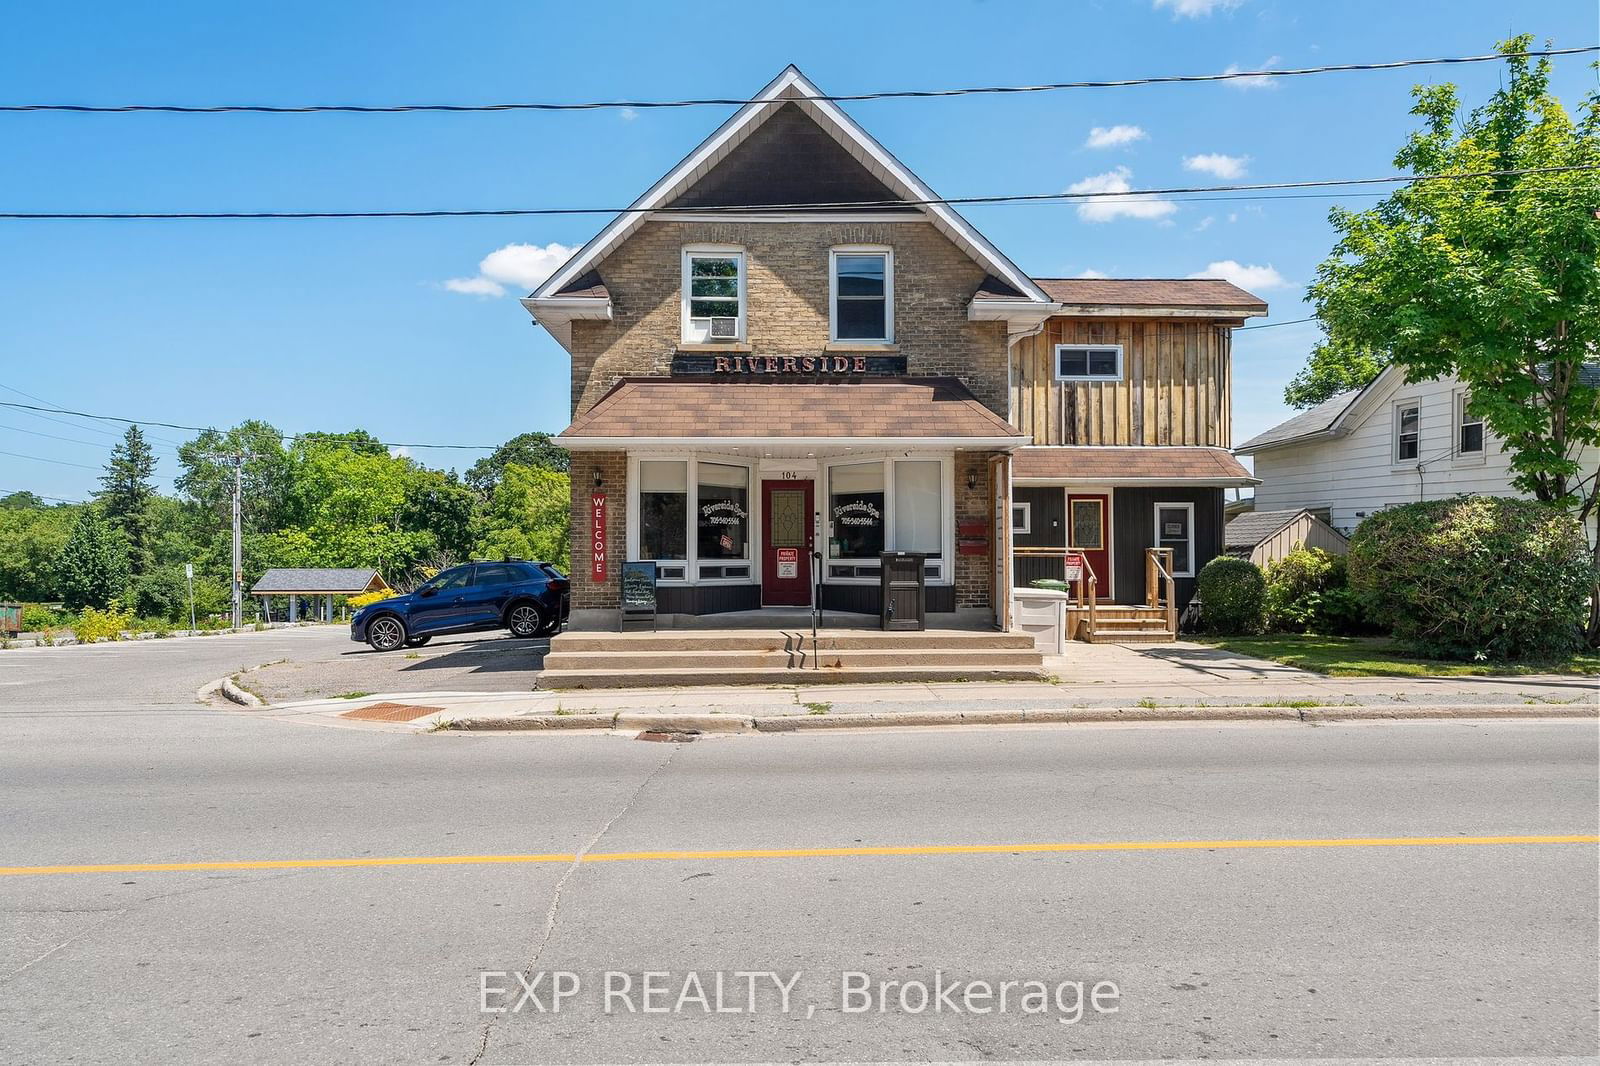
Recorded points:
(224,687)
(642,721)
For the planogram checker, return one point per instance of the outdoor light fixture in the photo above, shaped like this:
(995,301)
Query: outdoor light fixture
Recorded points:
(972,482)
(598,480)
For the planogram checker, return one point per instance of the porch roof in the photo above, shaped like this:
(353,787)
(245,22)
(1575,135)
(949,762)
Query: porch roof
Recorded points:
(857,412)
(1150,465)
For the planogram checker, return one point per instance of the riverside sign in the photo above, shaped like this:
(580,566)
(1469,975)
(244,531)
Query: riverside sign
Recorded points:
(821,367)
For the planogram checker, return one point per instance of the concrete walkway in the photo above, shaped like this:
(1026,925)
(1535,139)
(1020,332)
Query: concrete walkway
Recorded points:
(1097,681)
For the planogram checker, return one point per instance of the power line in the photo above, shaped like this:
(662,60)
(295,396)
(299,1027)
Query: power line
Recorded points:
(42,459)
(75,425)
(207,429)
(38,495)
(899,94)
(1274,325)
(1014,198)
(53,436)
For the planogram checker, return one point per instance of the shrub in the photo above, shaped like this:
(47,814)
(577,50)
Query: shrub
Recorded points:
(371,597)
(93,624)
(1475,577)
(1307,592)
(1232,595)
(36,617)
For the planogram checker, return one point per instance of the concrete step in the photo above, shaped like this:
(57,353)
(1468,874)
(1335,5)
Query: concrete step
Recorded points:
(697,676)
(773,640)
(799,658)
(1133,636)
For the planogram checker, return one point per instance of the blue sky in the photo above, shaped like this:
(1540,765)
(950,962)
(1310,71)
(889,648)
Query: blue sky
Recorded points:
(331,325)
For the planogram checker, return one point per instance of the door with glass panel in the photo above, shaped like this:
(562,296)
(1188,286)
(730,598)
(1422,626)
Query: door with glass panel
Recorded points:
(1089,533)
(786,521)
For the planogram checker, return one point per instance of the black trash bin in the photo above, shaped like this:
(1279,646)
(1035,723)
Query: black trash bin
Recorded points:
(903,585)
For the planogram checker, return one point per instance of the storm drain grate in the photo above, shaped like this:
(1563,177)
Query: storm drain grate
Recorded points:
(390,712)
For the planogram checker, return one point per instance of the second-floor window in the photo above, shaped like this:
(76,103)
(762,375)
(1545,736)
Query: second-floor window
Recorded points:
(714,295)
(861,293)
(1088,362)
(1407,435)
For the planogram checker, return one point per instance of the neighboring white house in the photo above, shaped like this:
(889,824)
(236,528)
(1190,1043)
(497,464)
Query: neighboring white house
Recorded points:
(1390,443)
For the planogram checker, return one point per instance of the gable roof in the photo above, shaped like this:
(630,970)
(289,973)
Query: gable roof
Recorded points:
(789,88)
(318,580)
(1251,528)
(1316,421)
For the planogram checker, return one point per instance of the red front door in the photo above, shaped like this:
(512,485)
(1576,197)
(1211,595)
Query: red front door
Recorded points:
(786,521)
(1089,532)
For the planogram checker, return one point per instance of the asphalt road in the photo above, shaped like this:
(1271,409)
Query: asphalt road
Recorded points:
(1448,950)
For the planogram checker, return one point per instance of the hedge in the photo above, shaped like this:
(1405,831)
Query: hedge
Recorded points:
(1232,596)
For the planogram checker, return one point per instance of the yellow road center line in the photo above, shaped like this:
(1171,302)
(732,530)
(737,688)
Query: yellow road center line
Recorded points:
(792,853)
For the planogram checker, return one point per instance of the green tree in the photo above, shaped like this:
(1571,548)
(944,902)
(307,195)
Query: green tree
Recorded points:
(529,516)
(30,541)
(1330,370)
(126,492)
(20,501)
(92,569)
(440,504)
(1495,280)
(206,476)
(534,450)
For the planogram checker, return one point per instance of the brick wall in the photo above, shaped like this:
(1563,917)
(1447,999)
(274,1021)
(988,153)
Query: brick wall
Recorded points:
(974,573)
(613,468)
(787,309)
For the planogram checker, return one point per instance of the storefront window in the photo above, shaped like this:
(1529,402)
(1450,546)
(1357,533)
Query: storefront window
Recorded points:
(856,511)
(722,516)
(663,509)
(917,510)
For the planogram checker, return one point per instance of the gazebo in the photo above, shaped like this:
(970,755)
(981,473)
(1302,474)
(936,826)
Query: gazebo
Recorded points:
(326,582)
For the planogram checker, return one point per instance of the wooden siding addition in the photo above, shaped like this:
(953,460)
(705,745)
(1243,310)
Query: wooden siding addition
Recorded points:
(1176,385)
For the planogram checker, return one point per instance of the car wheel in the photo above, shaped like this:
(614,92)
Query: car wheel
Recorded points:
(386,633)
(523,620)
(550,628)
(417,642)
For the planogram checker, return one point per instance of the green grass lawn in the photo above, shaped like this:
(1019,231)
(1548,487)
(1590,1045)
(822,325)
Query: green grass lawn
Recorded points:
(1379,657)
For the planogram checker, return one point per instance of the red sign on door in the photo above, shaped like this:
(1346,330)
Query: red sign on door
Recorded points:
(597,524)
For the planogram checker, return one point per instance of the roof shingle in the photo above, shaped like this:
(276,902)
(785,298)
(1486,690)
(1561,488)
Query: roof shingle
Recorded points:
(324,580)
(1096,462)
(716,407)
(1152,292)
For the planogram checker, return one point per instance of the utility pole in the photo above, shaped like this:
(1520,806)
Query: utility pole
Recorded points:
(238,560)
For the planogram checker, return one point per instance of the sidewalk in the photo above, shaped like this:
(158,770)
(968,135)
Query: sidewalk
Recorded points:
(1097,682)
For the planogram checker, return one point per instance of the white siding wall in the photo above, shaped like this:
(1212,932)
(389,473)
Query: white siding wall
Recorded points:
(1356,475)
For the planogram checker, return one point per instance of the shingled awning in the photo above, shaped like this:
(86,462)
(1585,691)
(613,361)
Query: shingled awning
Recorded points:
(887,412)
(317,581)
(1112,465)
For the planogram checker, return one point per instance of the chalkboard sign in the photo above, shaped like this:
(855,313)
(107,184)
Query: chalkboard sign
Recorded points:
(638,592)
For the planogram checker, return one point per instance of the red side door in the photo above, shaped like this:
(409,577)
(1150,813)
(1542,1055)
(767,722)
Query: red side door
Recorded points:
(786,520)
(1089,532)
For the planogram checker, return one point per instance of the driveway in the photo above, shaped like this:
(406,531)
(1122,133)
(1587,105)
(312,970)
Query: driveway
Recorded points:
(470,662)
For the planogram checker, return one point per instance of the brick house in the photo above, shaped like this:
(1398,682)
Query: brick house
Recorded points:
(786,360)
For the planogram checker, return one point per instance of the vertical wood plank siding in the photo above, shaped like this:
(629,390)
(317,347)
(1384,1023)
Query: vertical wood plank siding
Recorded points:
(1175,386)
(1133,529)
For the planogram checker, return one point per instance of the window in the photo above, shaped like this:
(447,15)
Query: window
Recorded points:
(497,574)
(450,580)
(1098,362)
(861,285)
(663,510)
(1022,518)
(722,520)
(1175,530)
(713,287)
(856,511)
(1407,439)
(1088,524)
(1469,434)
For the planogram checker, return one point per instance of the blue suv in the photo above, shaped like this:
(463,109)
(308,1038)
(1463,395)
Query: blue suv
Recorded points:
(530,599)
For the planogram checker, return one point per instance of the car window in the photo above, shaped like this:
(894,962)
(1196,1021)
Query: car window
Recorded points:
(452,579)
(494,575)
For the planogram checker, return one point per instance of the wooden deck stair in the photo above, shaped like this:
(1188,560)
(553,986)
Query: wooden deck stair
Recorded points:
(784,657)
(1119,623)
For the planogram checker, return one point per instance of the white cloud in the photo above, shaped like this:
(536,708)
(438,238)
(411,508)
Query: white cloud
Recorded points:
(1257,82)
(1245,276)
(522,266)
(1091,273)
(1204,224)
(1114,136)
(474,287)
(627,114)
(399,451)
(1223,166)
(1110,208)
(1193,9)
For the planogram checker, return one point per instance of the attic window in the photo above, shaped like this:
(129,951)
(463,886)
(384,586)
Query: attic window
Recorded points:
(1088,362)
(862,290)
(714,293)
